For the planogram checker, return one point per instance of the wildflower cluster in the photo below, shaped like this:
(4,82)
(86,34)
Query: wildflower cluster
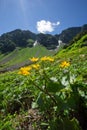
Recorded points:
(36,66)
(27,70)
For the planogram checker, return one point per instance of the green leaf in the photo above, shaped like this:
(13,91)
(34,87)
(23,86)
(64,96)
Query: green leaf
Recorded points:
(40,101)
(54,87)
(64,124)
(71,124)
(44,124)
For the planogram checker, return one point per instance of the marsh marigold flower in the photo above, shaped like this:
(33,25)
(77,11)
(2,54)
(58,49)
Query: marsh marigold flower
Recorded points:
(50,59)
(24,70)
(28,68)
(34,59)
(46,58)
(36,66)
(64,64)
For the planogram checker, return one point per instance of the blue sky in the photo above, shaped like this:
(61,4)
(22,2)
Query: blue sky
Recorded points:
(46,16)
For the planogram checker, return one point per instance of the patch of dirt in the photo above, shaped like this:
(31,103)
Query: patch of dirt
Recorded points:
(31,121)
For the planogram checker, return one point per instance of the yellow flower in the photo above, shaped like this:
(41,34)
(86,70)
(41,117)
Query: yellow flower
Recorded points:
(46,58)
(34,59)
(36,66)
(25,70)
(28,68)
(64,64)
(50,59)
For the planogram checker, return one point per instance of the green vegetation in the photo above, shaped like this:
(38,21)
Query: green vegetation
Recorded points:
(18,38)
(20,57)
(21,38)
(30,42)
(50,94)
(68,34)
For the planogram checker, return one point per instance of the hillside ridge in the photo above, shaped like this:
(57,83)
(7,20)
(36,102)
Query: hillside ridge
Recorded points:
(25,38)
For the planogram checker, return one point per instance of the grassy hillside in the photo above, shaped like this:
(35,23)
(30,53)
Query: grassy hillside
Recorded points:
(74,50)
(20,57)
(50,94)
(76,54)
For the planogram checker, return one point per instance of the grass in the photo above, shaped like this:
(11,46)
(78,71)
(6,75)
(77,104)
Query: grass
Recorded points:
(22,55)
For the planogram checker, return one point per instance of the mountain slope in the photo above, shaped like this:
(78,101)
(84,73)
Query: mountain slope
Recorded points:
(21,38)
(53,96)
(76,53)
(68,34)
(20,57)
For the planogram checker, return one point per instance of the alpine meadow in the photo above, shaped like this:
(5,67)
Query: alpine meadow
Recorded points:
(43,81)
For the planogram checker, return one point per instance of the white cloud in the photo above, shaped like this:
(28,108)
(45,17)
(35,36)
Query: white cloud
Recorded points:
(44,26)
